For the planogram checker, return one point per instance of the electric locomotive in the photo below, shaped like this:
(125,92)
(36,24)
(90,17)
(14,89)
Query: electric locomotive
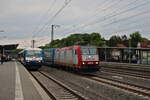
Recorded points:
(79,58)
(31,58)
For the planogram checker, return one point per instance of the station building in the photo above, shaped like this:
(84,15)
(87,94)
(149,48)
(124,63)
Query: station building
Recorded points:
(8,50)
(123,54)
(145,52)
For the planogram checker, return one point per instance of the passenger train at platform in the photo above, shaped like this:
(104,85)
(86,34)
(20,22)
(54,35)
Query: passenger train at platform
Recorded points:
(79,58)
(31,58)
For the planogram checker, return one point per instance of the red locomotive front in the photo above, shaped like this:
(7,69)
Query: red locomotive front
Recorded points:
(78,58)
(88,58)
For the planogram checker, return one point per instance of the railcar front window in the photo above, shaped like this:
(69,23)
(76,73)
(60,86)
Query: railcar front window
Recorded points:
(89,51)
(92,51)
(34,53)
(85,51)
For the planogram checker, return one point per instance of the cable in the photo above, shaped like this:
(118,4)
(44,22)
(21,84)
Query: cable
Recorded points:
(143,25)
(89,13)
(49,9)
(53,17)
(89,24)
(130,9)
(123,19)
(100,10)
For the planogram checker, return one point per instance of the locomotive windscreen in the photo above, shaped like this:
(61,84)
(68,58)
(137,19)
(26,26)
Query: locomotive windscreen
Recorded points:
(34,53)
(89,51)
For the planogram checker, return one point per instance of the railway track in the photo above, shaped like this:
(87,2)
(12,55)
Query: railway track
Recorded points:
(55,89)
(117,71)
(125,66)
(136,89)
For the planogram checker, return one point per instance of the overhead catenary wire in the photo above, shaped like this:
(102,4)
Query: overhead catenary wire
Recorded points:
(76,28)
(134,27)
(124,19)
(53,17)
(108,6)
(42,16)
(114,5)
(122,12)
(96,11)
(111,15)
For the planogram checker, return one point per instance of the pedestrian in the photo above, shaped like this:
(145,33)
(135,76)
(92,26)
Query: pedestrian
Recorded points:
(2,59)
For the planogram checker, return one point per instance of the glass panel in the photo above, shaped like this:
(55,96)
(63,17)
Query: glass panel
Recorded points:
(92,51)
(33,53)
(85,51)
(89,51)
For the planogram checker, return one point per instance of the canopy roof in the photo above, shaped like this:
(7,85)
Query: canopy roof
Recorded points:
(9,46)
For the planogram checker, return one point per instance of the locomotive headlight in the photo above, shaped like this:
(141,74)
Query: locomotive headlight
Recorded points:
(83,62)
(28,59)
(96,62)
(40,59)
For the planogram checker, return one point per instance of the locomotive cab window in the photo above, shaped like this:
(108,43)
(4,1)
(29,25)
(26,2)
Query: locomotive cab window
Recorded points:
(33,53)
(85,51)
(93,51)
(89,51)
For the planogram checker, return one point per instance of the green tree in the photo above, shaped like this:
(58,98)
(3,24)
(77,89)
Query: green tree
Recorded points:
(96,39)
(135,38)
(125,40)
(77,39)
(114,40)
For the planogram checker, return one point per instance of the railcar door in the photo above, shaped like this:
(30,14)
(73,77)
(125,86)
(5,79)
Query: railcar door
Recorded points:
(75,57)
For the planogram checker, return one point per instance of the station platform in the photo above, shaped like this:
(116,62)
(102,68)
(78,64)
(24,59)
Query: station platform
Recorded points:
(17,84)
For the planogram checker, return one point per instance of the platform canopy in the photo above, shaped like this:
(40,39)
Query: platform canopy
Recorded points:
(9,46)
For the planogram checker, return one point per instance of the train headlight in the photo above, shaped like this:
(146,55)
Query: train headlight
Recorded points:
(96,62)
(83,63)
(28,59)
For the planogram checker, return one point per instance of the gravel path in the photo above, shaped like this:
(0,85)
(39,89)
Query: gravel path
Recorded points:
(91,89)
(126,78)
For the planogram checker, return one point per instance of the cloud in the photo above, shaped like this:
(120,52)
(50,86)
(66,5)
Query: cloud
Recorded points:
(21,18)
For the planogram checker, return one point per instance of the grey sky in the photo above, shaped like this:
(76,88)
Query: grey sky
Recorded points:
(21,19)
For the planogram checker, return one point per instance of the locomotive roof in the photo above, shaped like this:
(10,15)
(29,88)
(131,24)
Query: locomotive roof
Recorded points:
(29,49)
(32,49)
(77,47)
(82,46)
